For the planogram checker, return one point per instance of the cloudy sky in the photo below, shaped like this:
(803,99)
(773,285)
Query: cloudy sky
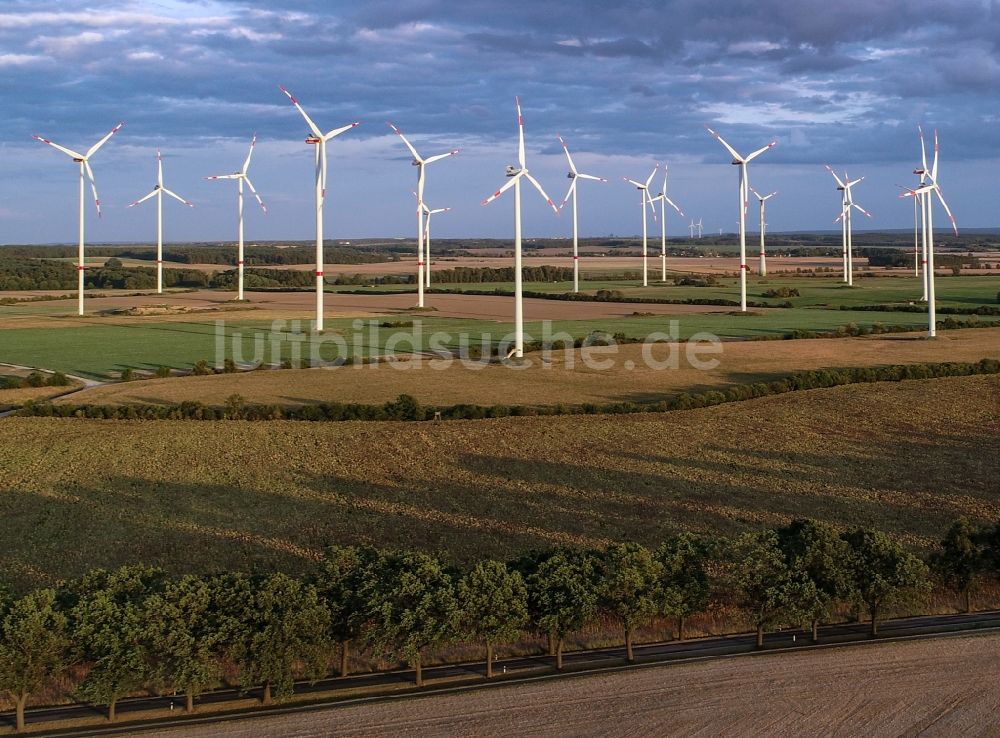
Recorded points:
(627,84)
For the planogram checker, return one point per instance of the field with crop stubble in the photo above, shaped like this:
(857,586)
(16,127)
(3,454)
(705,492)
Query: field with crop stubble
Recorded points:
(907,457)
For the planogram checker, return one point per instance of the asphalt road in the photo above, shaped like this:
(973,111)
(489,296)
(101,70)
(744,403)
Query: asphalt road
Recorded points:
(398,683)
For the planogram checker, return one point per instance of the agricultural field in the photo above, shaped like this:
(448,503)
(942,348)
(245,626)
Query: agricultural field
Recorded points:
(178,329)
(559,377)
(926,687)
(906,457)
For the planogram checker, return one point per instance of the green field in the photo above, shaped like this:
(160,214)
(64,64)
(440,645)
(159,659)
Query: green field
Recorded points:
(102,347)
(966,291)
(100,351)
(906,457)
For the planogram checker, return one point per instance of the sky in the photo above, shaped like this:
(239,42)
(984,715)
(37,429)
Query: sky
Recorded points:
(627,84)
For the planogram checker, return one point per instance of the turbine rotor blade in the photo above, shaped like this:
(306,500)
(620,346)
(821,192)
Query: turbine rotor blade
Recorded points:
(159,168)
(93,186)
(830,170)
(954,225)
(858,207)
(760,151)
(312,126)
(640,185)
(143,199)
(569,192)
(68,152)
(439,157)
(337,131)
(177,197)
(416,156)
(520,133)
(93,149)
(934,166)
(225,176)
(923,150)
(569,158)
(542,192)
(590,176)
(652,174)
(722,141)
(673,205)
(246,164)
(507,186)
(254,191)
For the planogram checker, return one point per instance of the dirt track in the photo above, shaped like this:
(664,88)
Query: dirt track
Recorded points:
(940,687)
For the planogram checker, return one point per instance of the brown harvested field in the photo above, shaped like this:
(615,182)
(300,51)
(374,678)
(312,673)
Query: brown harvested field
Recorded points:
(265,306)
(564,379)
(907,457)
(933,687)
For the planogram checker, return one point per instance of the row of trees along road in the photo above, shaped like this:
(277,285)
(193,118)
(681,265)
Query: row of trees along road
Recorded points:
(135,628)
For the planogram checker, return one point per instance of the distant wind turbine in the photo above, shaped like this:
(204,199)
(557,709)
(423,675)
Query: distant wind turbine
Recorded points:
(428,212)
(159,191)
(319,139)
(645,198)
(85,171)
(927,192)
(698,224)
(419,162)
(742,162)
(691,228)
(664,200)
(763,225)
(574,175)
(847,202)
(241,177)
(516,174)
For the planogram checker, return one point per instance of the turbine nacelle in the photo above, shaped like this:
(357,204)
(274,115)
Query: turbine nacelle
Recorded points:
(513,171)
(313,140)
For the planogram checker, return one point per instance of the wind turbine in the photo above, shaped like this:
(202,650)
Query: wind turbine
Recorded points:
(241,177)
(846,223)
(85,171)
(926,193)
(663,200)
(691,228)
(698,224)
(763,199)
(318,139)
(419,162)
(159,191)
(428,212)
(742,162)
(515,175)
(574,175)
(645,197)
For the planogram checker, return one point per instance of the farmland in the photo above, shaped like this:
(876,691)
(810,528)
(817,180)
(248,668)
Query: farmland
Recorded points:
(927,687)
(560,377)
(906,457)
(178,329)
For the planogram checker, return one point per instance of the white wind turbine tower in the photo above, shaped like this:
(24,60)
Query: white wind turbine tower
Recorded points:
(645,198)
(419,162)
(847,230)
(318,139)
(691,228)
(428,212)
(664,200)
(699,226)
(926,194)
(516,174)
(763,225)
(574,175)
(158,192)
(241,177)
(85,171)
(742,162)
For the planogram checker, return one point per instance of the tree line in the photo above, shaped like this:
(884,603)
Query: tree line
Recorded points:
(136,628)
(407,407)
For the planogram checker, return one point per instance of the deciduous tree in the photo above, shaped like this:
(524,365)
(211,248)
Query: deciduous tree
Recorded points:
(883,573)
(630,587)
(815,552)
(685,586)
(563,594)
(34,646)
(493,601)
(960,559)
